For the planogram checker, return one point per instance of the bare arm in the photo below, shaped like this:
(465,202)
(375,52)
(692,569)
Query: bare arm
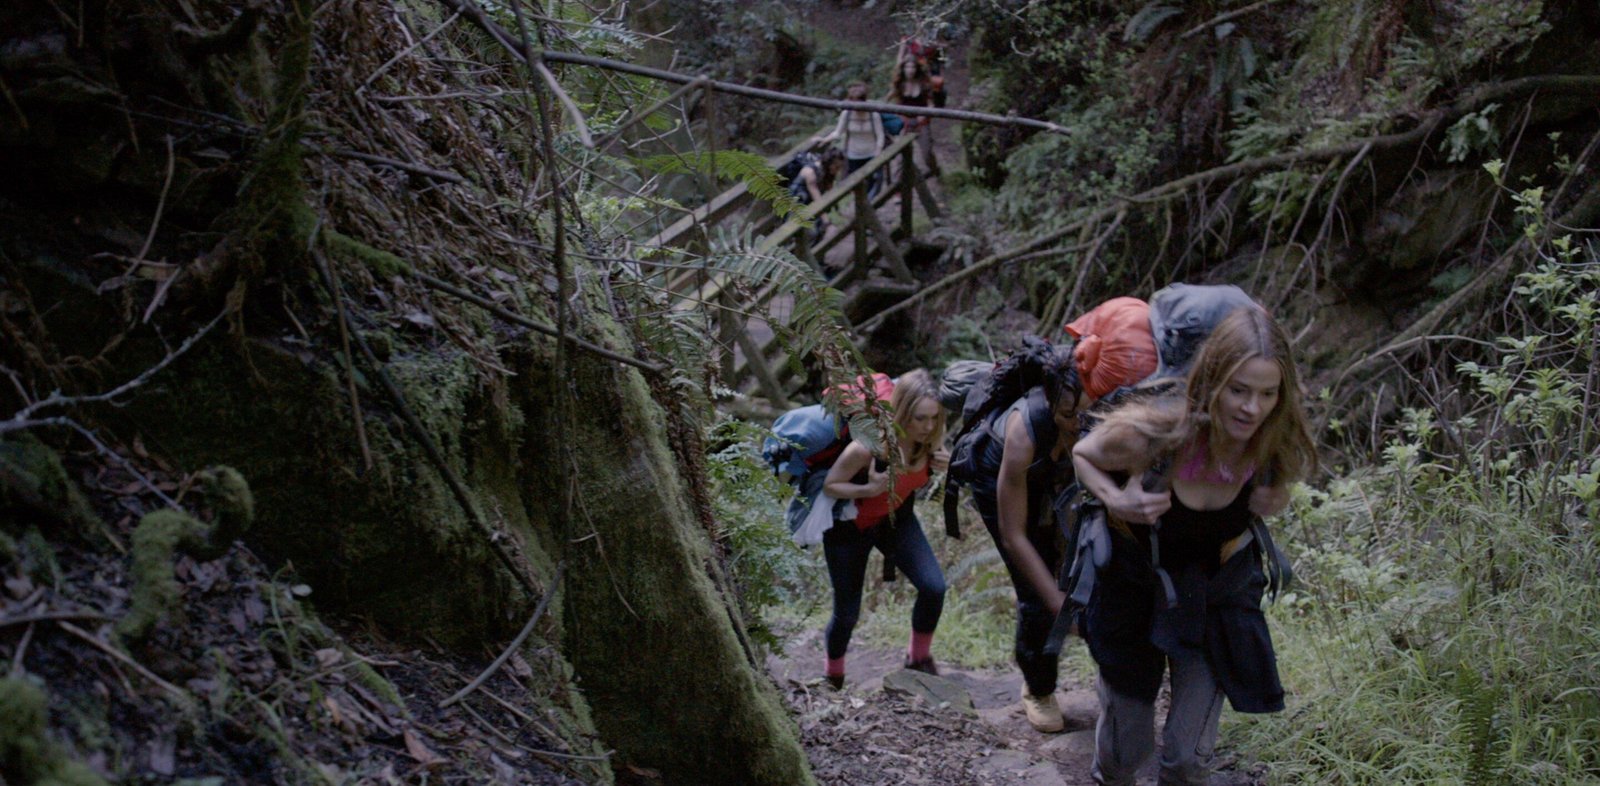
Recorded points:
(855,457)
(837,132)
(809,177)
(1116,448)
(1011,503)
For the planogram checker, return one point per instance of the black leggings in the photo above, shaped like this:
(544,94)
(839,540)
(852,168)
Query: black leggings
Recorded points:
(1034,619)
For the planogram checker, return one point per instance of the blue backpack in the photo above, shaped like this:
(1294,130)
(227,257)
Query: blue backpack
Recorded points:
(893,124)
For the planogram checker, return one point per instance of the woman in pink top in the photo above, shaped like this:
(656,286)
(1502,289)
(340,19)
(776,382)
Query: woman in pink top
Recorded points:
(885,521)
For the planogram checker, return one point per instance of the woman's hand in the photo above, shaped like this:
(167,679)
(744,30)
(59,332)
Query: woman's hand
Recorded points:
(877,480)
(1269,500)
(939,461)
(1134,505)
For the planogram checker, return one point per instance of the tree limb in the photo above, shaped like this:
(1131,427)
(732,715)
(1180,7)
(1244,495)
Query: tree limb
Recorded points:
(1573,85)
(527,53)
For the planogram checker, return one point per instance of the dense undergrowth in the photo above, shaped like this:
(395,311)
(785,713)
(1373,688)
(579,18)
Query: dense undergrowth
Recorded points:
(1444,627)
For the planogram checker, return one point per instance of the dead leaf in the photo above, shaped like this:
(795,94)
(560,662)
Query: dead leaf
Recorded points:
(333,710)
(420,319)
(328,656)
(420,751)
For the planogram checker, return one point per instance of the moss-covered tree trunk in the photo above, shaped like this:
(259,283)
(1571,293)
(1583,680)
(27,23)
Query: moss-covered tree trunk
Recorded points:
(652,637)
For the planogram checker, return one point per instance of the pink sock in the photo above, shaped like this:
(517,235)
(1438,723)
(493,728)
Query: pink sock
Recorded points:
(836,667)
(920,644)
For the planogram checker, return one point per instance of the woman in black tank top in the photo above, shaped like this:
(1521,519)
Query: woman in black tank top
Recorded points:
(1181,478)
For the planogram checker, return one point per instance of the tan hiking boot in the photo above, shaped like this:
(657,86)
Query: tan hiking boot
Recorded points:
(1043,712)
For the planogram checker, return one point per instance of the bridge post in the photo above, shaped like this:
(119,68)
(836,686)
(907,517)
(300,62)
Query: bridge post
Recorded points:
(729,328)
(860,225)
(907,167)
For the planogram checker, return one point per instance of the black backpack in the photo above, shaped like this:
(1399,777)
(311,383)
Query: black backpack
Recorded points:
(1030,366)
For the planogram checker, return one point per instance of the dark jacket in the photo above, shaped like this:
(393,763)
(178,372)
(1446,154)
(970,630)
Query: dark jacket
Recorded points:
(1130,631)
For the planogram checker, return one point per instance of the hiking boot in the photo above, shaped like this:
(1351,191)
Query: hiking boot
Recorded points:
(926,665)
(835,680)
(1043,712)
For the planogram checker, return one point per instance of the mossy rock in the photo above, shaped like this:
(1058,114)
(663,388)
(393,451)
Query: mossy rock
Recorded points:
(27,755)
(35,488)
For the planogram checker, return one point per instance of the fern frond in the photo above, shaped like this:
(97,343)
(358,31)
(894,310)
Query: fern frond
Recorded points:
(750,169)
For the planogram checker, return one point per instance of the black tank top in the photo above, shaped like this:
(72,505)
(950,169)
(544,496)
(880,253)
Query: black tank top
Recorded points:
(1191,536)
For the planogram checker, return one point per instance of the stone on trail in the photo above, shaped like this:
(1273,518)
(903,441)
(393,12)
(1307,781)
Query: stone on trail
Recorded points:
(932,690)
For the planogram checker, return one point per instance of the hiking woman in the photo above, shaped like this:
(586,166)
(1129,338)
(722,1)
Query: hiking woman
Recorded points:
(1020,473)
(912,86)
(861,133)
(815,174)
(885,521)
(1236,436)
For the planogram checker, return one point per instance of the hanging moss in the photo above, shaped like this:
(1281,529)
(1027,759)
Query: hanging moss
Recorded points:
(27,756)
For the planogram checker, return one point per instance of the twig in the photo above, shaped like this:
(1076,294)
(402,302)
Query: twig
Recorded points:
(1223,18)
(555,586)
(23,417)
(52,616)
(121,657)
(161,205)
(337,293)
(21,653)
(566,101)
(408,50)
(416,169)
(515,318)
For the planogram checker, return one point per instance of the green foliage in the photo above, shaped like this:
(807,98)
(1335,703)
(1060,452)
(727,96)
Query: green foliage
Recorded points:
(1443,630)
(768,568)
(763,181)
(1472,133)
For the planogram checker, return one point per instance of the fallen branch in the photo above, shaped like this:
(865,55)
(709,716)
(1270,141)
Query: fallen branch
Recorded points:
(531,55)
(436,457)
(1225,18)
(416,169)
(515,318)
(516,642)
(26,417)
(121,657)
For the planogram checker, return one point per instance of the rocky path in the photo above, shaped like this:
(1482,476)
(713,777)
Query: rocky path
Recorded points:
(965,727)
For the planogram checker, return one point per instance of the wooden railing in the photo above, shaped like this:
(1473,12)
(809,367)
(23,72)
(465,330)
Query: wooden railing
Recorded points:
(761,358)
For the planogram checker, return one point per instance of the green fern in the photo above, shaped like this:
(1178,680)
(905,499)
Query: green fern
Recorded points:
(814,328)
(1480,732)
(762,180)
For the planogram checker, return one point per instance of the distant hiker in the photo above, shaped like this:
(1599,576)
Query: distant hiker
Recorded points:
(912,86)
(1183,478)
(1020,472)
(811,173)
(862,135)
(930,54)
(886,521)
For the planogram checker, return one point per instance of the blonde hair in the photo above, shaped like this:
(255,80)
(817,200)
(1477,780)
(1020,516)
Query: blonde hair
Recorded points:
(909,391)
(1281,448)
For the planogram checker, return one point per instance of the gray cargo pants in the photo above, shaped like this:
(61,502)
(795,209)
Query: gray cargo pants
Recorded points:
(1125,734)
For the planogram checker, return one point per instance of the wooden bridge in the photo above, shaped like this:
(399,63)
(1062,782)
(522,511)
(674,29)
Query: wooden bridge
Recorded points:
(876,273)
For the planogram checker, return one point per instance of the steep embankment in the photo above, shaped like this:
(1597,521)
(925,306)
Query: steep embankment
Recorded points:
(341,190)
